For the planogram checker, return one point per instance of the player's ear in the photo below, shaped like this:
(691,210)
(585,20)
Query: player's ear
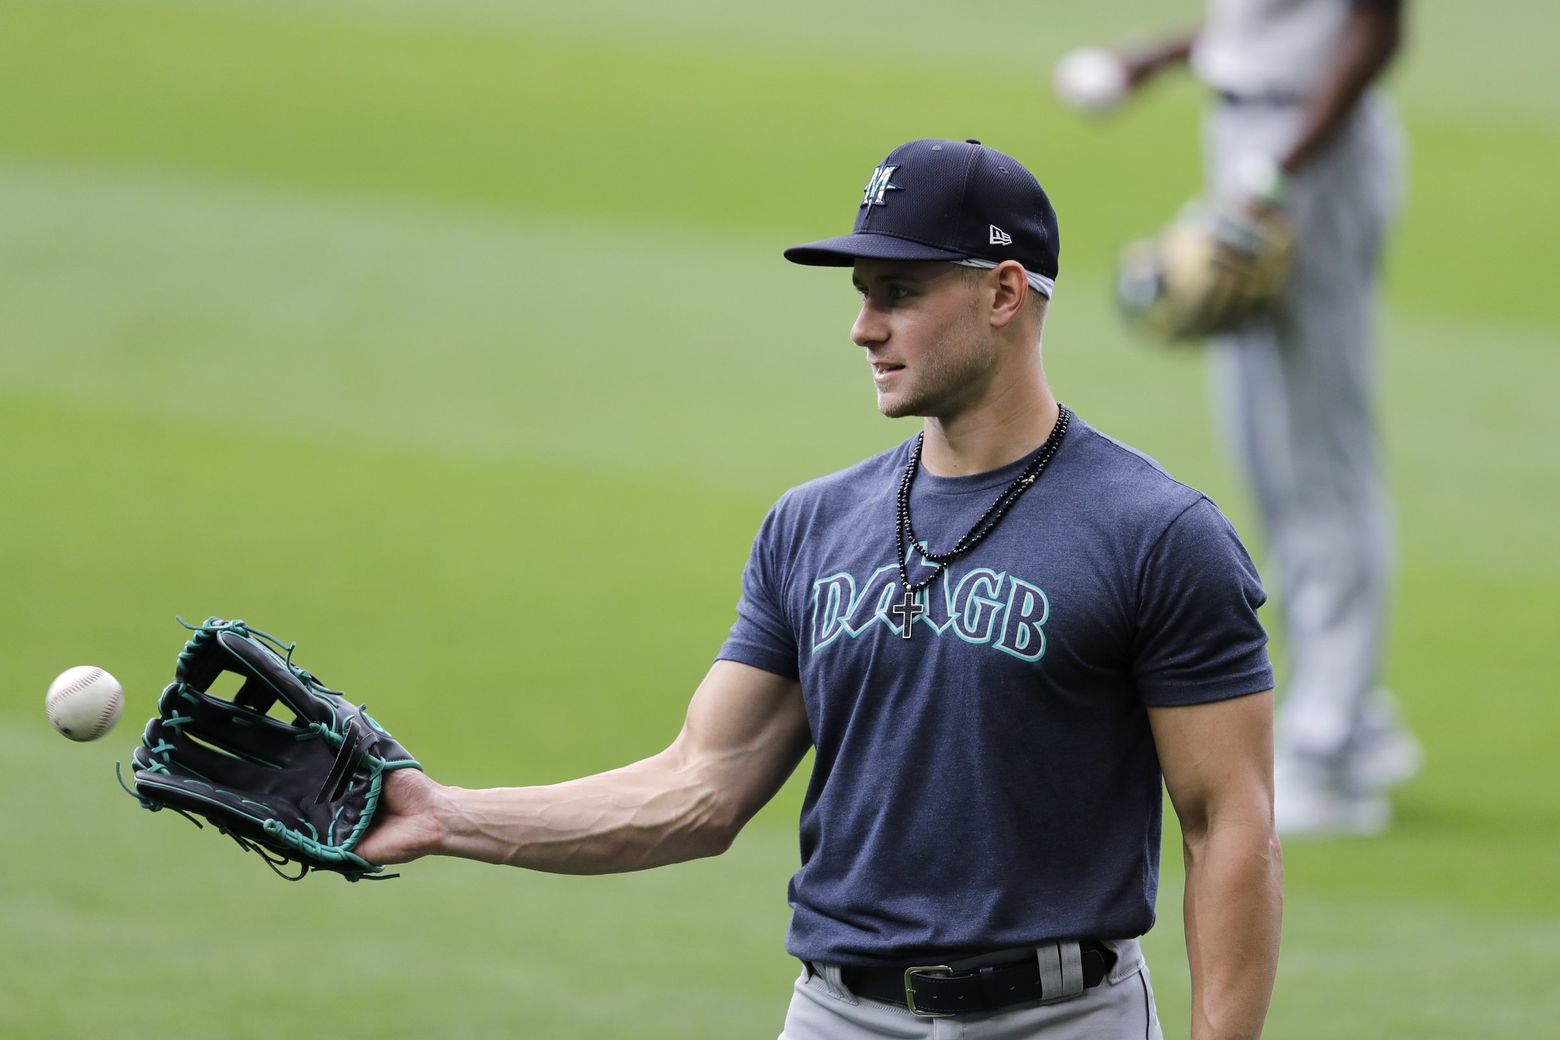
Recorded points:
(1012,290)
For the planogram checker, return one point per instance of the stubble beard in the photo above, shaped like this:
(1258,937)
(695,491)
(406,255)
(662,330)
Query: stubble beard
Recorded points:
(948,380)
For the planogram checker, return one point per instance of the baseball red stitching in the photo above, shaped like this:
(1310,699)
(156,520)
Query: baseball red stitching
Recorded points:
(104,719)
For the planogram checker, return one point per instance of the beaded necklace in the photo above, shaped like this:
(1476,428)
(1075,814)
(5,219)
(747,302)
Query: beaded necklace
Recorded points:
(909,608)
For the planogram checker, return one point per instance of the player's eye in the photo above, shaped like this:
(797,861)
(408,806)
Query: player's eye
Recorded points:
(885,295)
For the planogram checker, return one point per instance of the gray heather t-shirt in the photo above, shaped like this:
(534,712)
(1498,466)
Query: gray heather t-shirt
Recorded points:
(1271,48)
(992,781)
(1267,47)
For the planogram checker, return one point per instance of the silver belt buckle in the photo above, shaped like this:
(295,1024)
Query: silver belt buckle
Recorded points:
(910,989)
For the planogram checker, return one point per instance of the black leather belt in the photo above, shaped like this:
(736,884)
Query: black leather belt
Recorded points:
(939,990)
(1252,100)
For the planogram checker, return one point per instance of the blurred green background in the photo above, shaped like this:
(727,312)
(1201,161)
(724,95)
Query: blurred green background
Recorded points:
(452,340)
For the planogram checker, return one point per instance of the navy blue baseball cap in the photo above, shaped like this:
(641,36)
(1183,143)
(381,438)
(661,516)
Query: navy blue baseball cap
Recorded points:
(956,201)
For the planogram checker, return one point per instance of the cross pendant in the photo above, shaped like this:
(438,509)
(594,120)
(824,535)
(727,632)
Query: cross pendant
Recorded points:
(909,608)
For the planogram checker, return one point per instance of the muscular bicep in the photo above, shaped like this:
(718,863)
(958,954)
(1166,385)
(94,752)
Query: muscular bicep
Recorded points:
(745,731)
(1217,760)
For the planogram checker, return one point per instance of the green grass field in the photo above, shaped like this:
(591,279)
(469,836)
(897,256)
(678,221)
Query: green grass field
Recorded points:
(453,341)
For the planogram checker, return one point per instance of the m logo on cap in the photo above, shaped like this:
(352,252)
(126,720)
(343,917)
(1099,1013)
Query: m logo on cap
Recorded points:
(878,186)
(1000,237)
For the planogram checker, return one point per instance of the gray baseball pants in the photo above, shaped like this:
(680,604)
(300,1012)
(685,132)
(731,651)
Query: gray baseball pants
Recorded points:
(1119,1008)
(1297,398)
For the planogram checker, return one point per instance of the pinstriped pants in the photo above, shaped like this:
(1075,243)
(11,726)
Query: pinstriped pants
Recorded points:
(1120,1008)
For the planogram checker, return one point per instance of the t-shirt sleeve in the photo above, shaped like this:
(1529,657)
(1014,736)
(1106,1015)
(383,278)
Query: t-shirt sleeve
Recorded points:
(762,635)
(1198,635)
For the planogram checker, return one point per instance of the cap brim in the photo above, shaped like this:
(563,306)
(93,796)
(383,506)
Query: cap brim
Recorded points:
(847,249)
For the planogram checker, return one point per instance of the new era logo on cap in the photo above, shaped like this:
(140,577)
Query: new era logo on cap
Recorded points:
(942,193)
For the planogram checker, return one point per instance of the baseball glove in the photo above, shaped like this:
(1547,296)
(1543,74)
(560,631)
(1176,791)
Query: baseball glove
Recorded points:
(302,791)
(1213,269)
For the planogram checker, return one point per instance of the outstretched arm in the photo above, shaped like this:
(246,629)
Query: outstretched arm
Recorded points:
(744,734)
(1142,63)
(1218,765)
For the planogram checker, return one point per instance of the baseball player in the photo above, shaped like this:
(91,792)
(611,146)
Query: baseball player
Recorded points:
(1295,123)
(1000,636)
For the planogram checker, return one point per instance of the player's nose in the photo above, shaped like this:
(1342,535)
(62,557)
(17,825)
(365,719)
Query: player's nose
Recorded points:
(869,329)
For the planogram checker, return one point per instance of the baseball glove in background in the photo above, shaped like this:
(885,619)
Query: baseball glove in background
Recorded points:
(1214,268)
(303,790)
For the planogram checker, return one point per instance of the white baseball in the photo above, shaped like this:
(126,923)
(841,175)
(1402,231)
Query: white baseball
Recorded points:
(83,702)
(1091,79)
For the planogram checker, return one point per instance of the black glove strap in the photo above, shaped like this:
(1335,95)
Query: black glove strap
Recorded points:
(347,760)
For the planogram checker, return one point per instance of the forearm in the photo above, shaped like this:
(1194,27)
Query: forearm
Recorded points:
(1233,910)
(648,814)
(1145,61)
(745,732)
(1369,40)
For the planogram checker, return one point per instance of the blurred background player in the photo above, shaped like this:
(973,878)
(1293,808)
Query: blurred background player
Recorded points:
(1296,122)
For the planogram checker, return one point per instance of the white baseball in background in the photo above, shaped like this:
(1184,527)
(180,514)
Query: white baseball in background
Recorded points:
(1091,79)
(84,702)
